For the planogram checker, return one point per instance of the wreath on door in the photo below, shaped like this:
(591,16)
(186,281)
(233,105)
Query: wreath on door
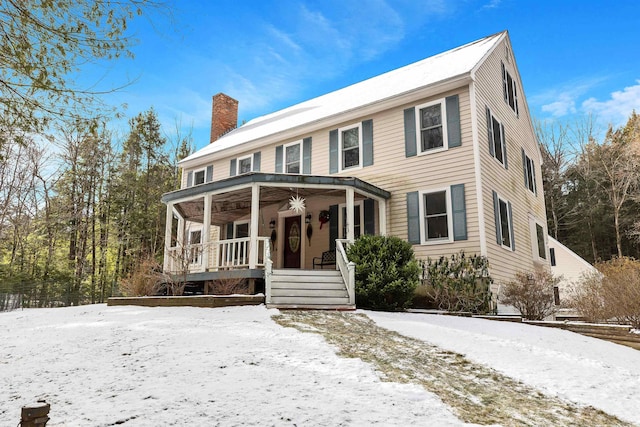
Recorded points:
(323,218)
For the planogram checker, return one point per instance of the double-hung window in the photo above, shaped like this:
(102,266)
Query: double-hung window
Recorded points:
(496,134)
(431,131)
(198,177)
(542,252)
(538,245)
(529,172)
(350,147)
(358,219)
(504,226)
(510,90)
(435,209)
(245,164)
(292,158)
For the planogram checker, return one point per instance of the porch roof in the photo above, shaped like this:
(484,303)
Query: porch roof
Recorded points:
(231,197)
(276,179)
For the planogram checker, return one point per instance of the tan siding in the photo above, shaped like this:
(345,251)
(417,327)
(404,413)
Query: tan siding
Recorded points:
(508,183)
(393,172)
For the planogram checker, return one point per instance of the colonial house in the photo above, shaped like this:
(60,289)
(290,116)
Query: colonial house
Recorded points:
(441,153)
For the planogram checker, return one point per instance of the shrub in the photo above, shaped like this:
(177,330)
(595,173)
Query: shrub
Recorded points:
(531,293)
(145,280)
(230,286)
(456,283)
(387,272)
(613,293)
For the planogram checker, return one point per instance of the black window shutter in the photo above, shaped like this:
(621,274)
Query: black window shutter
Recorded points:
(333,151)
(232,167)
(496,215)
(333,226)
(279,150)
(524,168)
(306,156)
(190,179)
(413,217)
(513,238)
(492,147)
(369,217)
(533,177)
(453,121)
(229,230)
(504,84)
(459,212)
(367,142)
(209,173)
(410,147)
(256,162)
(505,151)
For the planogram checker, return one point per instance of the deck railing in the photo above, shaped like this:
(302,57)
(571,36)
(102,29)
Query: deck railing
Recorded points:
(347,268)
(221,255)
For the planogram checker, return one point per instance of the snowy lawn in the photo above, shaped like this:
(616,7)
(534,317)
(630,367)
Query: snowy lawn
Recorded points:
(102,366)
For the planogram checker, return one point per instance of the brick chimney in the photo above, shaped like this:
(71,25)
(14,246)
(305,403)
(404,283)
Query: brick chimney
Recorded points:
(224,115)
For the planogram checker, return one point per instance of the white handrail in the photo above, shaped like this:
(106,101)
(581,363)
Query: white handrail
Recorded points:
(223,254)
(347,268)
(268,270)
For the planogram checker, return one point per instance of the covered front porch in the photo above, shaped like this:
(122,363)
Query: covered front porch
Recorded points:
(254,224)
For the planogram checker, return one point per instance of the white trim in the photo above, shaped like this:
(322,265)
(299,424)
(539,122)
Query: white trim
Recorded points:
(284,156)
(510,226)
(445,135)
(482,232)
(423,230)
(239,159)
(340,131)
(204,176)
(341,224)
(280,232)
(235,227)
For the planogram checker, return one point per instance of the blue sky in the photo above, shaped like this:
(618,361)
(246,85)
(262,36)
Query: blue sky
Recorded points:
(575,57)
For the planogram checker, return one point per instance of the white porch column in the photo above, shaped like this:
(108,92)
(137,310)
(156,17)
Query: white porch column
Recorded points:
(167,237)
(253,227)
(206,231)
(382,216)
(349,216)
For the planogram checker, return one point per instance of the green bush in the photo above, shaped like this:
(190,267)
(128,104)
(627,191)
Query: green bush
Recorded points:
(456,283)
(387,272)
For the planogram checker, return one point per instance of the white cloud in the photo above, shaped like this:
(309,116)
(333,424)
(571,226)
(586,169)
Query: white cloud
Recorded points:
(618,107)
(492,4)
(565,104)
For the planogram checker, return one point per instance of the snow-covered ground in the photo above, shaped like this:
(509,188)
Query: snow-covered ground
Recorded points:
(99,366)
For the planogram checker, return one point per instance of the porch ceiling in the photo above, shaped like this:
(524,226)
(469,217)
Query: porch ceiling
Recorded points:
(229,206)
(231,197)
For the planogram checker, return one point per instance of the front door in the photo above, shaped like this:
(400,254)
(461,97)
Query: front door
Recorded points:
(292,241)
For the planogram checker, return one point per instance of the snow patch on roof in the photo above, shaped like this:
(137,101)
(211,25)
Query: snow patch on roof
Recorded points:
(424,73)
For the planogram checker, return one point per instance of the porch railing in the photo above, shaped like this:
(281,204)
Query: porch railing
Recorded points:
(222,255)
(347,268)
